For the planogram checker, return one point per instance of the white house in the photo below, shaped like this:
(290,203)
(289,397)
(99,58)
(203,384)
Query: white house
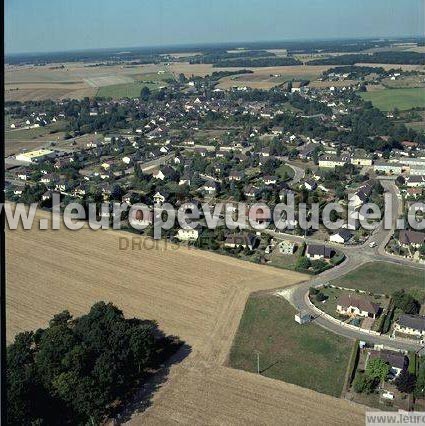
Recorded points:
(187,234)
(341,237)
(413,325)
(352,305)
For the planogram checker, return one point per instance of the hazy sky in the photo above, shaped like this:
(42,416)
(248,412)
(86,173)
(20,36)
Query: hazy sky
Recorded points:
(52,25)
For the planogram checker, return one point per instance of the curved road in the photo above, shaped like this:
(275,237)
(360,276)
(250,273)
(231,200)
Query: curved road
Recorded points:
(355,257)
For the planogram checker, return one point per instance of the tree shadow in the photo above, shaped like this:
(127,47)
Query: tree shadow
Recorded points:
(173,351)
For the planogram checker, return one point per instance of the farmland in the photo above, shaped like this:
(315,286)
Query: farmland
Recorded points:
(72,80)
(268,326)
(403,99)
(384,278)
(196,295)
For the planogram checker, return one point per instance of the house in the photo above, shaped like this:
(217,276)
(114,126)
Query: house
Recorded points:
(411,238)
(310,184)
(349,304)
(331,161)
(387,168)
(317,251)
(47,196)
(158,198)
(411,324)
(396,360)
(210,187)
(341,237)
(362,158)
(188,234)
(130,197)
(243,240)
(270,180)
(157,174)
(417,170)
(414,192)
(306,153)
(415,181)
(362,195)
(286,247)
(250,191)
(235,176)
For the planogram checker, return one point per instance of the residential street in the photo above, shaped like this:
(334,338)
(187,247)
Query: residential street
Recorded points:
(355,257)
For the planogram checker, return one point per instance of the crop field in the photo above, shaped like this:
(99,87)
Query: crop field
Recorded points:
(197,295)
(403,99)
(384,278)
(132,89)
(73,80)
(268,326)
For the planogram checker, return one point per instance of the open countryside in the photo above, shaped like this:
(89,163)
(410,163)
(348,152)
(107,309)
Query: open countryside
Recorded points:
(194,294)
(402,99)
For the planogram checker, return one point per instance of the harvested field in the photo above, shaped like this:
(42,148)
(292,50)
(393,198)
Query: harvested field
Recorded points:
(74,80)
(197,295)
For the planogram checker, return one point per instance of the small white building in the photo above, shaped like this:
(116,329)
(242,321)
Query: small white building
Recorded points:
(188,234)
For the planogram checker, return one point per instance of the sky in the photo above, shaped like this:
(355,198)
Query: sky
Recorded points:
(59,25)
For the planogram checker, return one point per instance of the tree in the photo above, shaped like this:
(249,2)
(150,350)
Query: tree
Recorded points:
(74,369)
(420,381)
(406,302)
(377,369)
(405,382)
(145,93)
(364,384)
(303,263)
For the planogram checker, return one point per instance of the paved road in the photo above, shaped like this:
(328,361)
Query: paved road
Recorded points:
(298,174)
(356,256)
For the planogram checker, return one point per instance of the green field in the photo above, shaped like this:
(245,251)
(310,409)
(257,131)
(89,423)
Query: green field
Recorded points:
(305,355)
(126,90)
(385,278)
(132,90)
(285,170)
(27,134)
(403,99)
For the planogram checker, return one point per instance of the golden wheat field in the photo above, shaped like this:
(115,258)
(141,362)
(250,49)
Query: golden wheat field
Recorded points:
(197,295)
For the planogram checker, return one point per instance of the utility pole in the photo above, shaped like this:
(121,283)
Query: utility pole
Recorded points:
(258,361)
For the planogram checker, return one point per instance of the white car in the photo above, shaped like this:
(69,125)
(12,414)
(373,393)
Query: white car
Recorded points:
(372,244)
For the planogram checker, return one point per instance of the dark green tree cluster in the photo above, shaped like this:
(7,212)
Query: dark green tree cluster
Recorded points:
(72,371)
(406,302)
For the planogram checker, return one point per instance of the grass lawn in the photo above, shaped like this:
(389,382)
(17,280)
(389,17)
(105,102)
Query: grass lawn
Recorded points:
(126,90)
(132,90)
(27,134)
(305,355)
(403,99)
(285,170)
(329,306)
(385,278)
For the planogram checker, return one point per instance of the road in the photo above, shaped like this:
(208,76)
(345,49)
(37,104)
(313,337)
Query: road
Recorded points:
(356,256)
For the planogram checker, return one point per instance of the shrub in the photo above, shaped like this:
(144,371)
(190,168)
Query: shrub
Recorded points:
(320,297)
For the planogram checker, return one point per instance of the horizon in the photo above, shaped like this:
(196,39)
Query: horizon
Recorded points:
(96,25)
(242,43)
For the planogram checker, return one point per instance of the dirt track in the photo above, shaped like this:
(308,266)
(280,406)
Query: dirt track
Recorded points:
(196,295)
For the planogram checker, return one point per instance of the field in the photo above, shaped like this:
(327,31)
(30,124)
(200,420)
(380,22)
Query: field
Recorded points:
(403,99)
(304,355)
(285,170)
(132,89)
(197,295)
(74,80)
(384,278)
(19,140)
